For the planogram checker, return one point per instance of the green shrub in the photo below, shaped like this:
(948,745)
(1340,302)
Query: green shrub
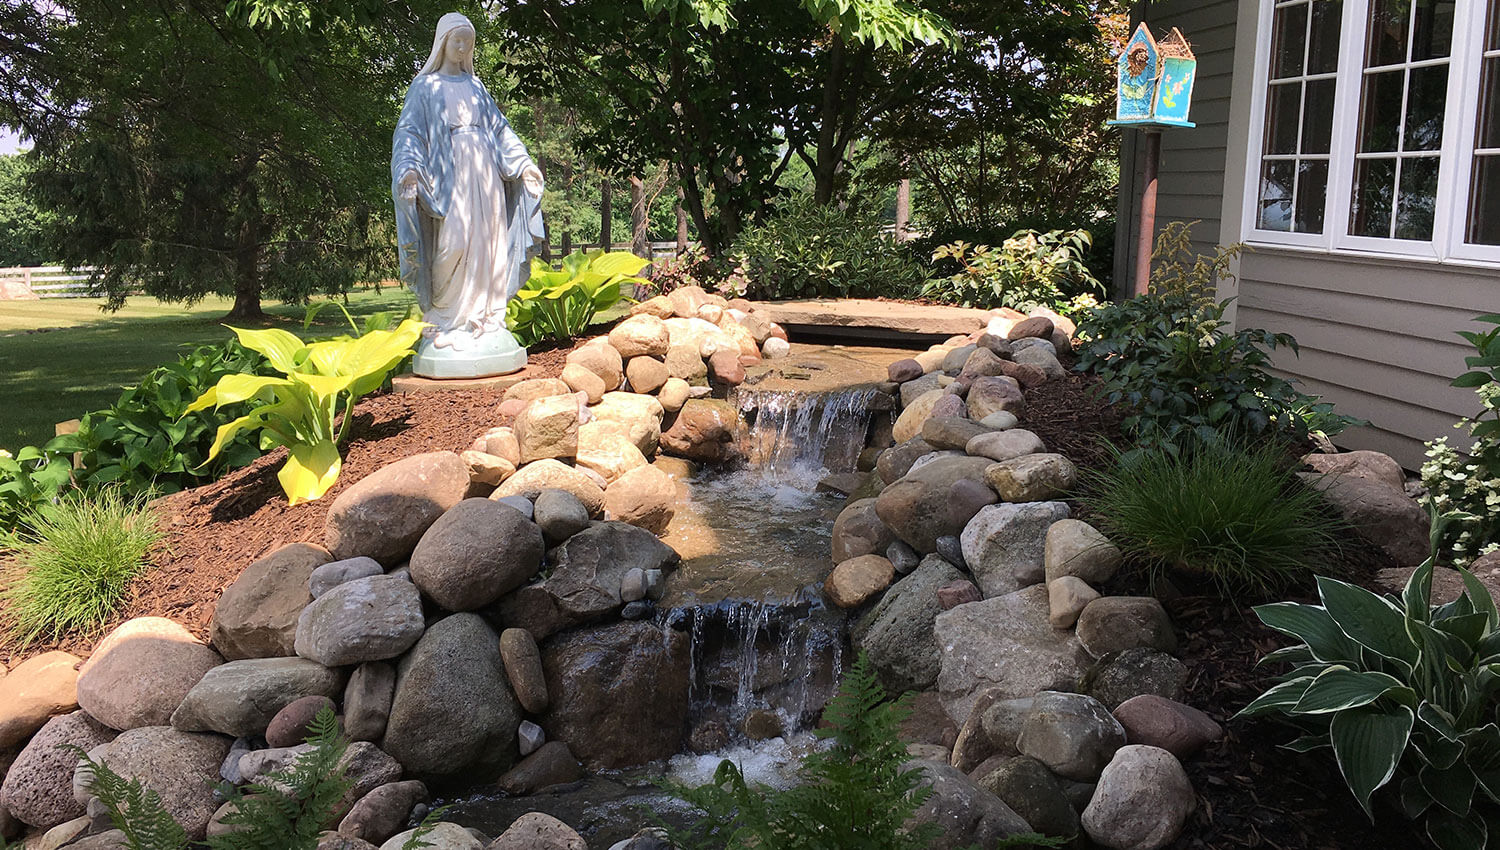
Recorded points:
(1171,361)
(1470,483)
(31,481)
(1178,270)
(1403,692)
(560,303)
(1234,515)
(1029,269)
(813,251)
(72,563)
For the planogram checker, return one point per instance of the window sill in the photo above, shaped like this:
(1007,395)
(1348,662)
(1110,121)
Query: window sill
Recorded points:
(1368,256)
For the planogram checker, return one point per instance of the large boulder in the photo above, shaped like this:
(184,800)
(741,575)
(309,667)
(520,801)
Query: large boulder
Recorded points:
(367,700)
(381,813)
(38,788)
(453,710)
(585,582)
(1116,623)
(1384,516)
(175,764)
(1005,545)
(988,396)
(601,358)
(897,634)
(443,836)
(475,553)
(1004,643)
(917,507)
(538,831)
(548,428)
(551,764)
(623,693)
(139,673)
(1074,735)
(368,619)
(643,496)
(1075,548)
(1032,478)
(606,450)
(239,698)
(35,690)
(531,479)
(896,461)
(1005,445)
(967,814)
(858,530)
(1141,802)
(1363,464)
(385,513)
(1029,788)
(257,615)
(641,335)
(703,430)
(1120,676)
(915,415)
(1159,722)
(855,581)
(636,416)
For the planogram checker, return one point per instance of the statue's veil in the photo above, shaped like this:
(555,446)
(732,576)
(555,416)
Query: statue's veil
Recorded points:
(446,25)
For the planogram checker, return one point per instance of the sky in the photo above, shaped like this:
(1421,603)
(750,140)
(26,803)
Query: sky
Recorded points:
(11,143)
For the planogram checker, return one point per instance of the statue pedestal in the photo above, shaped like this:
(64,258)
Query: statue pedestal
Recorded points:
(495,353)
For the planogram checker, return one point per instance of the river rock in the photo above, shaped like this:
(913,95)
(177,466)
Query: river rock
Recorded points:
(659,306)
(1364,464)
(368,619)
(951,432)
(1142,800)
(35,690)
(1120,676)
(1035,326)
(950,406)
(1075,548)
(1074,735)
(958,593)
(915,415)
(586,576)
(897,634)
(636,416)
(1033,792)
(996,344)
(523,667)
(1000,720)
(857,580)
(487,469)
(905,370)
(1000,420)
(684,363)
(1115,623)
(366,767)
(1041,358)
(1159,722)
(548,428)
(703,430)
(988,396)
(367,700)
(982,363)
(532,389)
(559,515)
(1005,445)
(1067,596)
(257,614)
(967,814)
(1386,517)
(177,765)
(499,442)
(646,374)
(1004,643)
(531,479)
(443,836)
(642,335)
(385,513)
(645,497)
(1032,478)
(239,699)
(139,673)
(1004,544)
(914,389)
(291,724)
(966,497)
(381,813)
(916,507)
(605,449)
(112,839)
(674,394)
(552,764)
(38,787)
(1026,374)
(901,555)
(582,380)
(1033,342)
(898,460)
(601,358)
(538,831)
(957,356)
(331,575)
(626,688)
(452,709)
(858,530)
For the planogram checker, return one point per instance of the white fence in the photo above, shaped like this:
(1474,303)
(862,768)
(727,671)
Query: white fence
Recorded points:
(23,282)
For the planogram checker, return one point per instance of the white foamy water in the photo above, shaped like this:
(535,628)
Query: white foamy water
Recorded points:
(772,762)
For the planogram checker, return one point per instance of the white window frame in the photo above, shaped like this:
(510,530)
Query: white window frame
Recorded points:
(1450,222)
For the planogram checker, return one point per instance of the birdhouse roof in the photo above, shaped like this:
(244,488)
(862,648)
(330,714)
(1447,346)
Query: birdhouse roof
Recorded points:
(1175,45)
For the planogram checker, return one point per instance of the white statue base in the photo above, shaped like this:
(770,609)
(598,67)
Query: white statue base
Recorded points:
(495,352)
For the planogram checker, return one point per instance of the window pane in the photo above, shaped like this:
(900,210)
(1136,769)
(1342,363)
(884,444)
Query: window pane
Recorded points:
(1282,113)
(1488,132)
(1317,116)
(1288,42)
(1312,193)
(1276,196)
(1418,198)
(1484,202)
(1492,41)
(1323,49)
(1388,23)
(1380,113)
(1434,36)
(1424,108)
(1373,181)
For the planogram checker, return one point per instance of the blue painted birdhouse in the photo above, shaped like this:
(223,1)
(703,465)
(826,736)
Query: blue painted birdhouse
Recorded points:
(1154,80)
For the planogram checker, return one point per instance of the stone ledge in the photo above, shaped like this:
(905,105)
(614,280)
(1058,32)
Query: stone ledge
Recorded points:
(870,319)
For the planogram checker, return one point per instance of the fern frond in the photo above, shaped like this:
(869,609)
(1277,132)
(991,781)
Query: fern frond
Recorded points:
(134,809)
(417,840)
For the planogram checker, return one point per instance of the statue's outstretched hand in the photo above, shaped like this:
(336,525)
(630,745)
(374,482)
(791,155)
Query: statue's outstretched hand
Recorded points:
(409,186)
(532,177)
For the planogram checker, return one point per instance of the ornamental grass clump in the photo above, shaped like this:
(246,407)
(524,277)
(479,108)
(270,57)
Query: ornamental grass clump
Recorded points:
(72,562)
(1230,513)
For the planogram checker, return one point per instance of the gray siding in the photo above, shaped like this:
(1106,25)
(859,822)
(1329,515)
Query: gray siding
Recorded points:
(1190,184)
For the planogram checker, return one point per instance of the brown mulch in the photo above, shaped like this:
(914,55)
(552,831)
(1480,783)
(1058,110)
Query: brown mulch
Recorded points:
(215,531)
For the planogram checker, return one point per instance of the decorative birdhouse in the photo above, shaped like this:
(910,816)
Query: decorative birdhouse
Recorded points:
(1155,80)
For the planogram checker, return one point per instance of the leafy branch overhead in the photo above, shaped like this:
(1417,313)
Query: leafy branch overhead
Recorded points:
(882,23)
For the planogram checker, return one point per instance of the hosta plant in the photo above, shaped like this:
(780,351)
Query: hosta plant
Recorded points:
(300,408)
(1030,269)
(1403,692)
(560,303)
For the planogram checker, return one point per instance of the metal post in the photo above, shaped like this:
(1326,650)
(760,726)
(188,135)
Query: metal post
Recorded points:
(1147,238)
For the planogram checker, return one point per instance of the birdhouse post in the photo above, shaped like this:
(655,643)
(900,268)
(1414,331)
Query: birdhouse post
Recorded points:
(1153,89)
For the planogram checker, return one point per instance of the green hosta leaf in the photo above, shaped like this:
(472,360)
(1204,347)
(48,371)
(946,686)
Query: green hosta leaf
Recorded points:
(309,471)
(1313,626)
(1298,654)
(1307,743)
(618,263)
(232,389)
(1437,720)
(1414,798)
(1480,596)
(1453,788)
(279,347)
(1368,618)
(1451,832)
(1339,688)
(1279,698)
(1469,628)
(1368,744)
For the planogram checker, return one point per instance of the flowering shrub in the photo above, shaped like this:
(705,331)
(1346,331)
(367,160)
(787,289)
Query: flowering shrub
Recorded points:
(1470,483)
(1029,269)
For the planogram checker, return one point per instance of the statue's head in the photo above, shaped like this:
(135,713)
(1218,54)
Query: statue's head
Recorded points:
(454,41)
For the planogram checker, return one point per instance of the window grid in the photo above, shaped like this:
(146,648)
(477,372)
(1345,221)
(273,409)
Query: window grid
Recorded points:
(1297,158)
(1472,225)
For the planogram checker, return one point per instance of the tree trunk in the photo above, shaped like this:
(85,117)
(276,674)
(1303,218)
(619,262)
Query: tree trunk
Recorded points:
(606,213)
(682,230)
(903,208)
(828,156)
(247,284)
(637,216)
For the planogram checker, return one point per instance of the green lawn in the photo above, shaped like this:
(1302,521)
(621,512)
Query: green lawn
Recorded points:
(83,358)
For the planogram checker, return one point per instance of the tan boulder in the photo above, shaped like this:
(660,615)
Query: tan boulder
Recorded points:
(639,335)
(684,362)
(548,428)
(535,388)
(855,581)
(644,496)
(703,430)
(37,689)
(139,673)
(601,358)
(531,479)
(674,394)
(909,423)
(686,300)
(704,337)
(606,450)
(485,468)
(646,374)
(257,614)
(500,442)
(581,380)
(636,416)
(660,307)
(1364,464)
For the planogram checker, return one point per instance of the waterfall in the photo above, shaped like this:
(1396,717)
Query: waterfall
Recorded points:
(792,436)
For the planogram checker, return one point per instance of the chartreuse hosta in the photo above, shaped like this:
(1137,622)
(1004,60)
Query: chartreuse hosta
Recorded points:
(1403,691)
(299,409)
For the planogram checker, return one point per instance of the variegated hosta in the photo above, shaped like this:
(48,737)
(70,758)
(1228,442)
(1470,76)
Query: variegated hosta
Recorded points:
(560,303)
(1403,691)
(299,410)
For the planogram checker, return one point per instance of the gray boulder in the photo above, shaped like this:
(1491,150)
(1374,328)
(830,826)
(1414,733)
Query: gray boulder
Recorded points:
(560,515)
(897,634)
(1381,514)
(179,766)
(1075,548)
(1074,735)
(1116,623)
(385,513)
(367,700)
(257,614)
(331,575)
(381,813)
(896,461)
(858,530)
(368,619)
(966,813)
(916,507)
(1142,800)
(1004,545)
(38,788)
(475,553)
(1030,789)
(141,671)
(1119,676)
(240,698)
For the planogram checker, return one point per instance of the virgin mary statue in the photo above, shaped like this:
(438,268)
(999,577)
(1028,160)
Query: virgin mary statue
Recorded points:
(468,211)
